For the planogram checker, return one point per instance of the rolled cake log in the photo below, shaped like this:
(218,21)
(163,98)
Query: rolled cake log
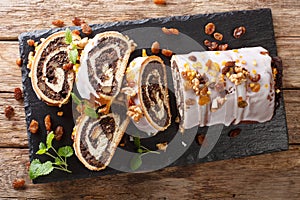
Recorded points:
(102,67)
(148,98)
(223,87)
(96,140)
(49,80)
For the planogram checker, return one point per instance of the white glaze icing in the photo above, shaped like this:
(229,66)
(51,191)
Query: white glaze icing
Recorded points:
(259,108)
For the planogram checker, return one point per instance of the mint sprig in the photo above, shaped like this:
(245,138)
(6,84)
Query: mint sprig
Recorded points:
(37,168)
(136,161)
(73,53)
(88,110)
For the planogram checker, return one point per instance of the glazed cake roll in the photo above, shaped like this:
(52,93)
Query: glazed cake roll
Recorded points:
(50,81)
(96,140)
(223,87)
(102,67)
(148,99)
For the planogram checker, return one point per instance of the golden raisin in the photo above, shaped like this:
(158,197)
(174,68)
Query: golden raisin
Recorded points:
(210,28)
(160,2)
(18,183)
(60,113)
(47,121)
(58,23)
(166,52)
(218,36)
(239,31)
(19,62)
(174,31)
(213,46)
(76,32)
(165,30)
(30,42)
(9,112)
(255,88)
(34,126)
(235,132)
(155,47)
(86,29)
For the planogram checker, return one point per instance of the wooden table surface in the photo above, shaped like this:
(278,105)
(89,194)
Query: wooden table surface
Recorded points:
(268,176)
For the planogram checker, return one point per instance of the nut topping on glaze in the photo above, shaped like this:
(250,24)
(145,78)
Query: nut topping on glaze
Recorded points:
(135,112)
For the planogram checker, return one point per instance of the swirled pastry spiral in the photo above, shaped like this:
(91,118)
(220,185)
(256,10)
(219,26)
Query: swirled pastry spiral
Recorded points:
(50,81)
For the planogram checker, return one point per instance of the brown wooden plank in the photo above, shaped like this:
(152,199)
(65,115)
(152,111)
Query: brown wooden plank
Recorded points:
(246,178)
(17,16)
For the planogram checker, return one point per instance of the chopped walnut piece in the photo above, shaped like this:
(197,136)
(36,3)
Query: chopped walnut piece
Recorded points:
(239,31)
(135,112)
(81,43)
(34,126)
(129,91)
(9,112)
(19,62)
(58,133)
(47,121)
(30,42)
(218,36)
(167,52)
(160,2)
(213,46)
(162,146)
(18,94)
(170,31)
(18,183)
(222,47)
(155,47)
(86,29)
(210,28)
(58,23)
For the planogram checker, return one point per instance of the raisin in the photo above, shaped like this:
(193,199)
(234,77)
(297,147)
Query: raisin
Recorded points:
(210,28)
(155,47)
(18,184)
(68,66)
(47,122)
(193,58)
(200,138)
(58,133)
(239,31)
(235,132)
(76,32)
(77,21)
(218,36)
(58,23)
(213,46)
(9,112)
(160,2)
(19,62)
(18,94)
(34,126)
(207,43)
(166,52)
(30,42)
(86,29)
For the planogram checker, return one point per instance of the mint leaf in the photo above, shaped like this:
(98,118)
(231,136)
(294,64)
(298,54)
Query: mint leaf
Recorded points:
(39,169)
(76,100)
(137,142)
(41,151)
(136,162)
(68,36)
(50,137)
(42,146)
(90,112)
(58,161)
(73,54)
(66,151)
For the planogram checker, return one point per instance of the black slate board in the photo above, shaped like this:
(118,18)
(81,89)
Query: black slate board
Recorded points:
(254,138)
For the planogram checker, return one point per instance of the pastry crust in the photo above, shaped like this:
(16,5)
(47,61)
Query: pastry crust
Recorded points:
(34,68)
